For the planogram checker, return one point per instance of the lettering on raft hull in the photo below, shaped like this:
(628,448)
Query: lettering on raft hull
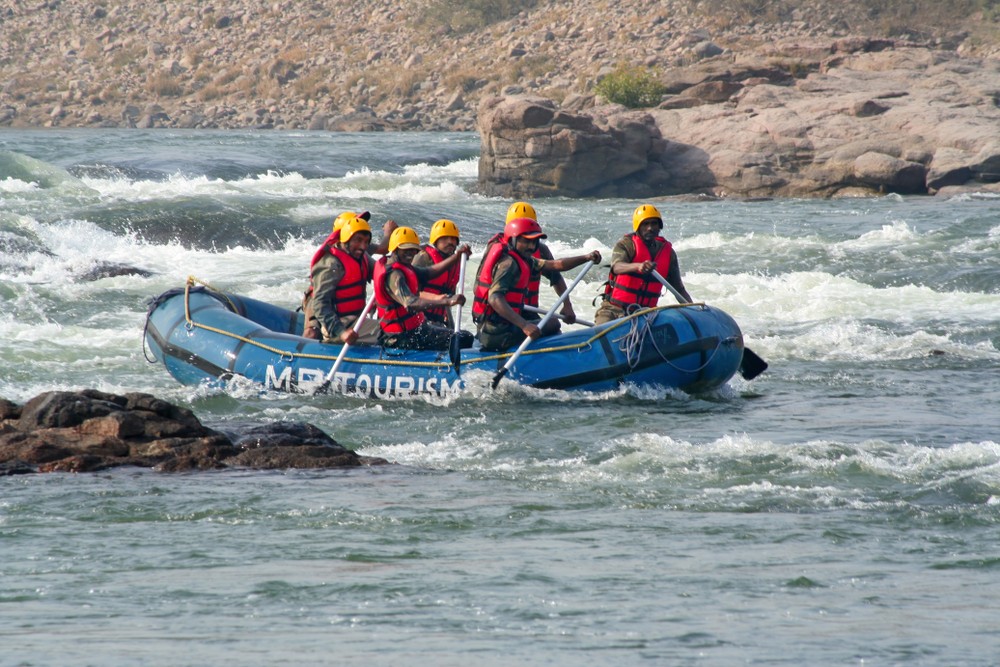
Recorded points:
(363,384)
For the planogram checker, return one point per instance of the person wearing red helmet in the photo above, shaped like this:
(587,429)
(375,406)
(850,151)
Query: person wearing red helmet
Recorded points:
(502,285)
(631,284)
(521,209)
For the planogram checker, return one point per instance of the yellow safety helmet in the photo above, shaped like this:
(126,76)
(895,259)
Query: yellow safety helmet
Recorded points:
(339,221)
(404,238)
(353,226)
(520,209)
(443,228)
(645,212)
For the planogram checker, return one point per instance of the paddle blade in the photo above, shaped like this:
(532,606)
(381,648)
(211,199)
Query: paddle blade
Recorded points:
(455,352)
(752,365)
(499,376)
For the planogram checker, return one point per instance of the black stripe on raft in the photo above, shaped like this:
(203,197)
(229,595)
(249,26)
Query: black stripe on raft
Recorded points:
(621,371)
(170,350)
(609,353)
(697,332)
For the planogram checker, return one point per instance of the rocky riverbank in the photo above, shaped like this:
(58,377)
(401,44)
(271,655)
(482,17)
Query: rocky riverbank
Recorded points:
(862,117)
(385,65)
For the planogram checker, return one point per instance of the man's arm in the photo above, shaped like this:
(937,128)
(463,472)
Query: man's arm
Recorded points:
(505,277)
(567,263)
(383,246)
(435,270)
(621,259)
(401,294)
(558,284)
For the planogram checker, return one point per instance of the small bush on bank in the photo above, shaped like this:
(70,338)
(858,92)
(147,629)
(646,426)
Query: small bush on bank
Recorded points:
(633,87)
(161,84)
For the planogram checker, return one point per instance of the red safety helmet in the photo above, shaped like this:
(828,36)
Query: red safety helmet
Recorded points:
(525,227)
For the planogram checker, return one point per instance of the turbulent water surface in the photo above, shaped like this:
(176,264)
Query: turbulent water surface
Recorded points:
(843,508)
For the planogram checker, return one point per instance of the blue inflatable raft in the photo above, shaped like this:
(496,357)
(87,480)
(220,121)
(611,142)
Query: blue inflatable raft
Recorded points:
(202,335)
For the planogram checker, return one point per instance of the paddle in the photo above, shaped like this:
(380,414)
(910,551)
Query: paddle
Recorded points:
(751,365)
(343,350)
(455,345)
(536,309)
(542,323)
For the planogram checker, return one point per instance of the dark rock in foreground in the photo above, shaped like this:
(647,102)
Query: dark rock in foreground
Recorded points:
(90,430)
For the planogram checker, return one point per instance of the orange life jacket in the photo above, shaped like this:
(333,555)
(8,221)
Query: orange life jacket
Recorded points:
(516,297)
(394,317)
(443,284)
(628,289)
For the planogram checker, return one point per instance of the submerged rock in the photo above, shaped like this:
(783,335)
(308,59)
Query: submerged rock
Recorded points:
(112,270)
(90,430)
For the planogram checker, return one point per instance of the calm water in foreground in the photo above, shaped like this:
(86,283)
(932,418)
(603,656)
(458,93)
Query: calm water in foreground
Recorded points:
(842,509)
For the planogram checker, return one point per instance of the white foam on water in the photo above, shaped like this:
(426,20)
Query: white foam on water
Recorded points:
(15,186)
(448,453)
(740,468)
(390,190)
(810,296)
(710,241)
(417,183)
(893,235)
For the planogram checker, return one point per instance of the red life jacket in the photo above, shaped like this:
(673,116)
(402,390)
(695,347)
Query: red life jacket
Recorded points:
(516,297)
(395,318)
(331,241)
(628,289)
(443,284)
(349,296)
(534,281)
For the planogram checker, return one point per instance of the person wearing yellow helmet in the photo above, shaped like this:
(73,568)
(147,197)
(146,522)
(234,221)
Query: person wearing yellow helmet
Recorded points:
(381,248)
(631,284)
(501,289)
(401,306)
(521,210)
(338,274)
(444,240)
(324,270)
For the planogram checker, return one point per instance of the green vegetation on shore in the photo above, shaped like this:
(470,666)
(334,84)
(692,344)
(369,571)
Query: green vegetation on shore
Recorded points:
(633,87)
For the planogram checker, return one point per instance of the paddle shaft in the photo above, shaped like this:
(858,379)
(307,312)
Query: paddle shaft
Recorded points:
(461,290)
(455,344)
(536,309)
(663,281)
(343,349)
(548,316)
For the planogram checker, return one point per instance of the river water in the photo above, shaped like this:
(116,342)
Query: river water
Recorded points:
(843,508)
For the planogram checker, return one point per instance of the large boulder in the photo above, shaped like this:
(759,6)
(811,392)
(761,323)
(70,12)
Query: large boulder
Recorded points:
(532,148)
(863,116)
(91,430)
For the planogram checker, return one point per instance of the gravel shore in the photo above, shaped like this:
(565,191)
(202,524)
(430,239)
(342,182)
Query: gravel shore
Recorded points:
(372,64)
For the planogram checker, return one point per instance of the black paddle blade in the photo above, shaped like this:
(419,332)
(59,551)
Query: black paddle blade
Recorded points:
(455,352)
(751,365)
(499,376)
